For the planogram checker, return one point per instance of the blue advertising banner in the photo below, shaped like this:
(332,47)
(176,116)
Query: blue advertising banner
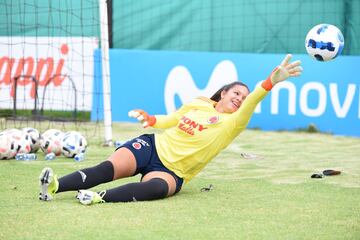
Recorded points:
(327,94)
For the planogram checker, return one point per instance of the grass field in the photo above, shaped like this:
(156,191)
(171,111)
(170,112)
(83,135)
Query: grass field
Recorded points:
(269,196)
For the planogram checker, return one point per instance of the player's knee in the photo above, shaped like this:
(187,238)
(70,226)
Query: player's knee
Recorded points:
(159,188)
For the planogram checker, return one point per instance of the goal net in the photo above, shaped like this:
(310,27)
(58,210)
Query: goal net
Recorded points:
(47,62)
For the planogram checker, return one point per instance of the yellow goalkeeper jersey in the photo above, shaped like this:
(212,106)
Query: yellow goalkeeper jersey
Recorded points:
(196,133)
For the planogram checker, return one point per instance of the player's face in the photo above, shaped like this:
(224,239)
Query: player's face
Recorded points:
(232,99)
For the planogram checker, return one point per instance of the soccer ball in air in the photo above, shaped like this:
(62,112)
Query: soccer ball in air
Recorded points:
(324,42)
(50,141)
(73,143)
(33,136)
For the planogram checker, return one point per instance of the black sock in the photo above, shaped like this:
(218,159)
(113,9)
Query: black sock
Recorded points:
(153,189)
(87,178)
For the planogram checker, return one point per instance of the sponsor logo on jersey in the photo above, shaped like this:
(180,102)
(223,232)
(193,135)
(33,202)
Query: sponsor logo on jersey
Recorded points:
(190,126)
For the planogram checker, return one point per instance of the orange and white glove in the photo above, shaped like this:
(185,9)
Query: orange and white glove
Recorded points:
(143,117)
(283,72)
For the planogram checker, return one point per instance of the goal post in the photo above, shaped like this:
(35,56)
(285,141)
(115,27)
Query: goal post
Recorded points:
(104,41)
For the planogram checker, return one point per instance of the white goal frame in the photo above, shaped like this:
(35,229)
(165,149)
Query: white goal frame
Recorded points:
(104,41)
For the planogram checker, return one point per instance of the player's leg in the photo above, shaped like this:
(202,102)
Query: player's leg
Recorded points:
(167,177)
(120,164)
(124,163)
(157,182)
(154,185)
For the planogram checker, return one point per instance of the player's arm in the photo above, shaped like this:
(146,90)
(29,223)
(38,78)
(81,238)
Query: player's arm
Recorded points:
(282,72)
(159,121)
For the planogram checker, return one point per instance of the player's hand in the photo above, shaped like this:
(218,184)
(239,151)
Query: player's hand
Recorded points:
(143,117)
(282,72)
(286,70)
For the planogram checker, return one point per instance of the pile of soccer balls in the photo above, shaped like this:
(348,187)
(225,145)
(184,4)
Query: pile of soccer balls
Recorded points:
(29,140)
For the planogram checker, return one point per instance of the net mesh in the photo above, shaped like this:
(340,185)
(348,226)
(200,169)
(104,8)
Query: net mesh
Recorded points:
(47,63)
(252,26)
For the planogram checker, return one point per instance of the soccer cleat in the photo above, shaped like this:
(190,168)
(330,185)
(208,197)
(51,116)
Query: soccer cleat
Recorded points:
(48,184)
(87,197)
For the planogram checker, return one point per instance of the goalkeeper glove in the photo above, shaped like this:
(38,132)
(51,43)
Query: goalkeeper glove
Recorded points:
(283,72)
(143,117)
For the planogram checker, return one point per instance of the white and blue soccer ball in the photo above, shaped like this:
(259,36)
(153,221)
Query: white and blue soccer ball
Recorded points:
(50,141)
(33,136)
(324,42)
(73,143)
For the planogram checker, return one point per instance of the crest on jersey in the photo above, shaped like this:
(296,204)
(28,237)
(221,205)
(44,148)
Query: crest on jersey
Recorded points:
(213,119)
(136,145)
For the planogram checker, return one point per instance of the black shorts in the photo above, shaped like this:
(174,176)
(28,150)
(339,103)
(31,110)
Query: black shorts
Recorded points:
(147,159)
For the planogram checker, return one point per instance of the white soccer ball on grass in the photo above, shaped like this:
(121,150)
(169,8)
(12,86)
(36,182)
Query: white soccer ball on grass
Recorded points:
(50,141)
(33,136)
(73,143)
(21,139)
(8,146)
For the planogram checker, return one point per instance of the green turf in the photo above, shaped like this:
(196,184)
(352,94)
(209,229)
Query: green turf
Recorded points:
(270,196)
(46,114)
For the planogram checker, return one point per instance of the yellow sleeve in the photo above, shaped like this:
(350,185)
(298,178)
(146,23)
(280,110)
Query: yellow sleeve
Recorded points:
(165,121)
(240,119)
(171,120)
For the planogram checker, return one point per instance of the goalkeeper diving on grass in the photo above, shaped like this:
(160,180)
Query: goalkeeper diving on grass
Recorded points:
(193,135)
